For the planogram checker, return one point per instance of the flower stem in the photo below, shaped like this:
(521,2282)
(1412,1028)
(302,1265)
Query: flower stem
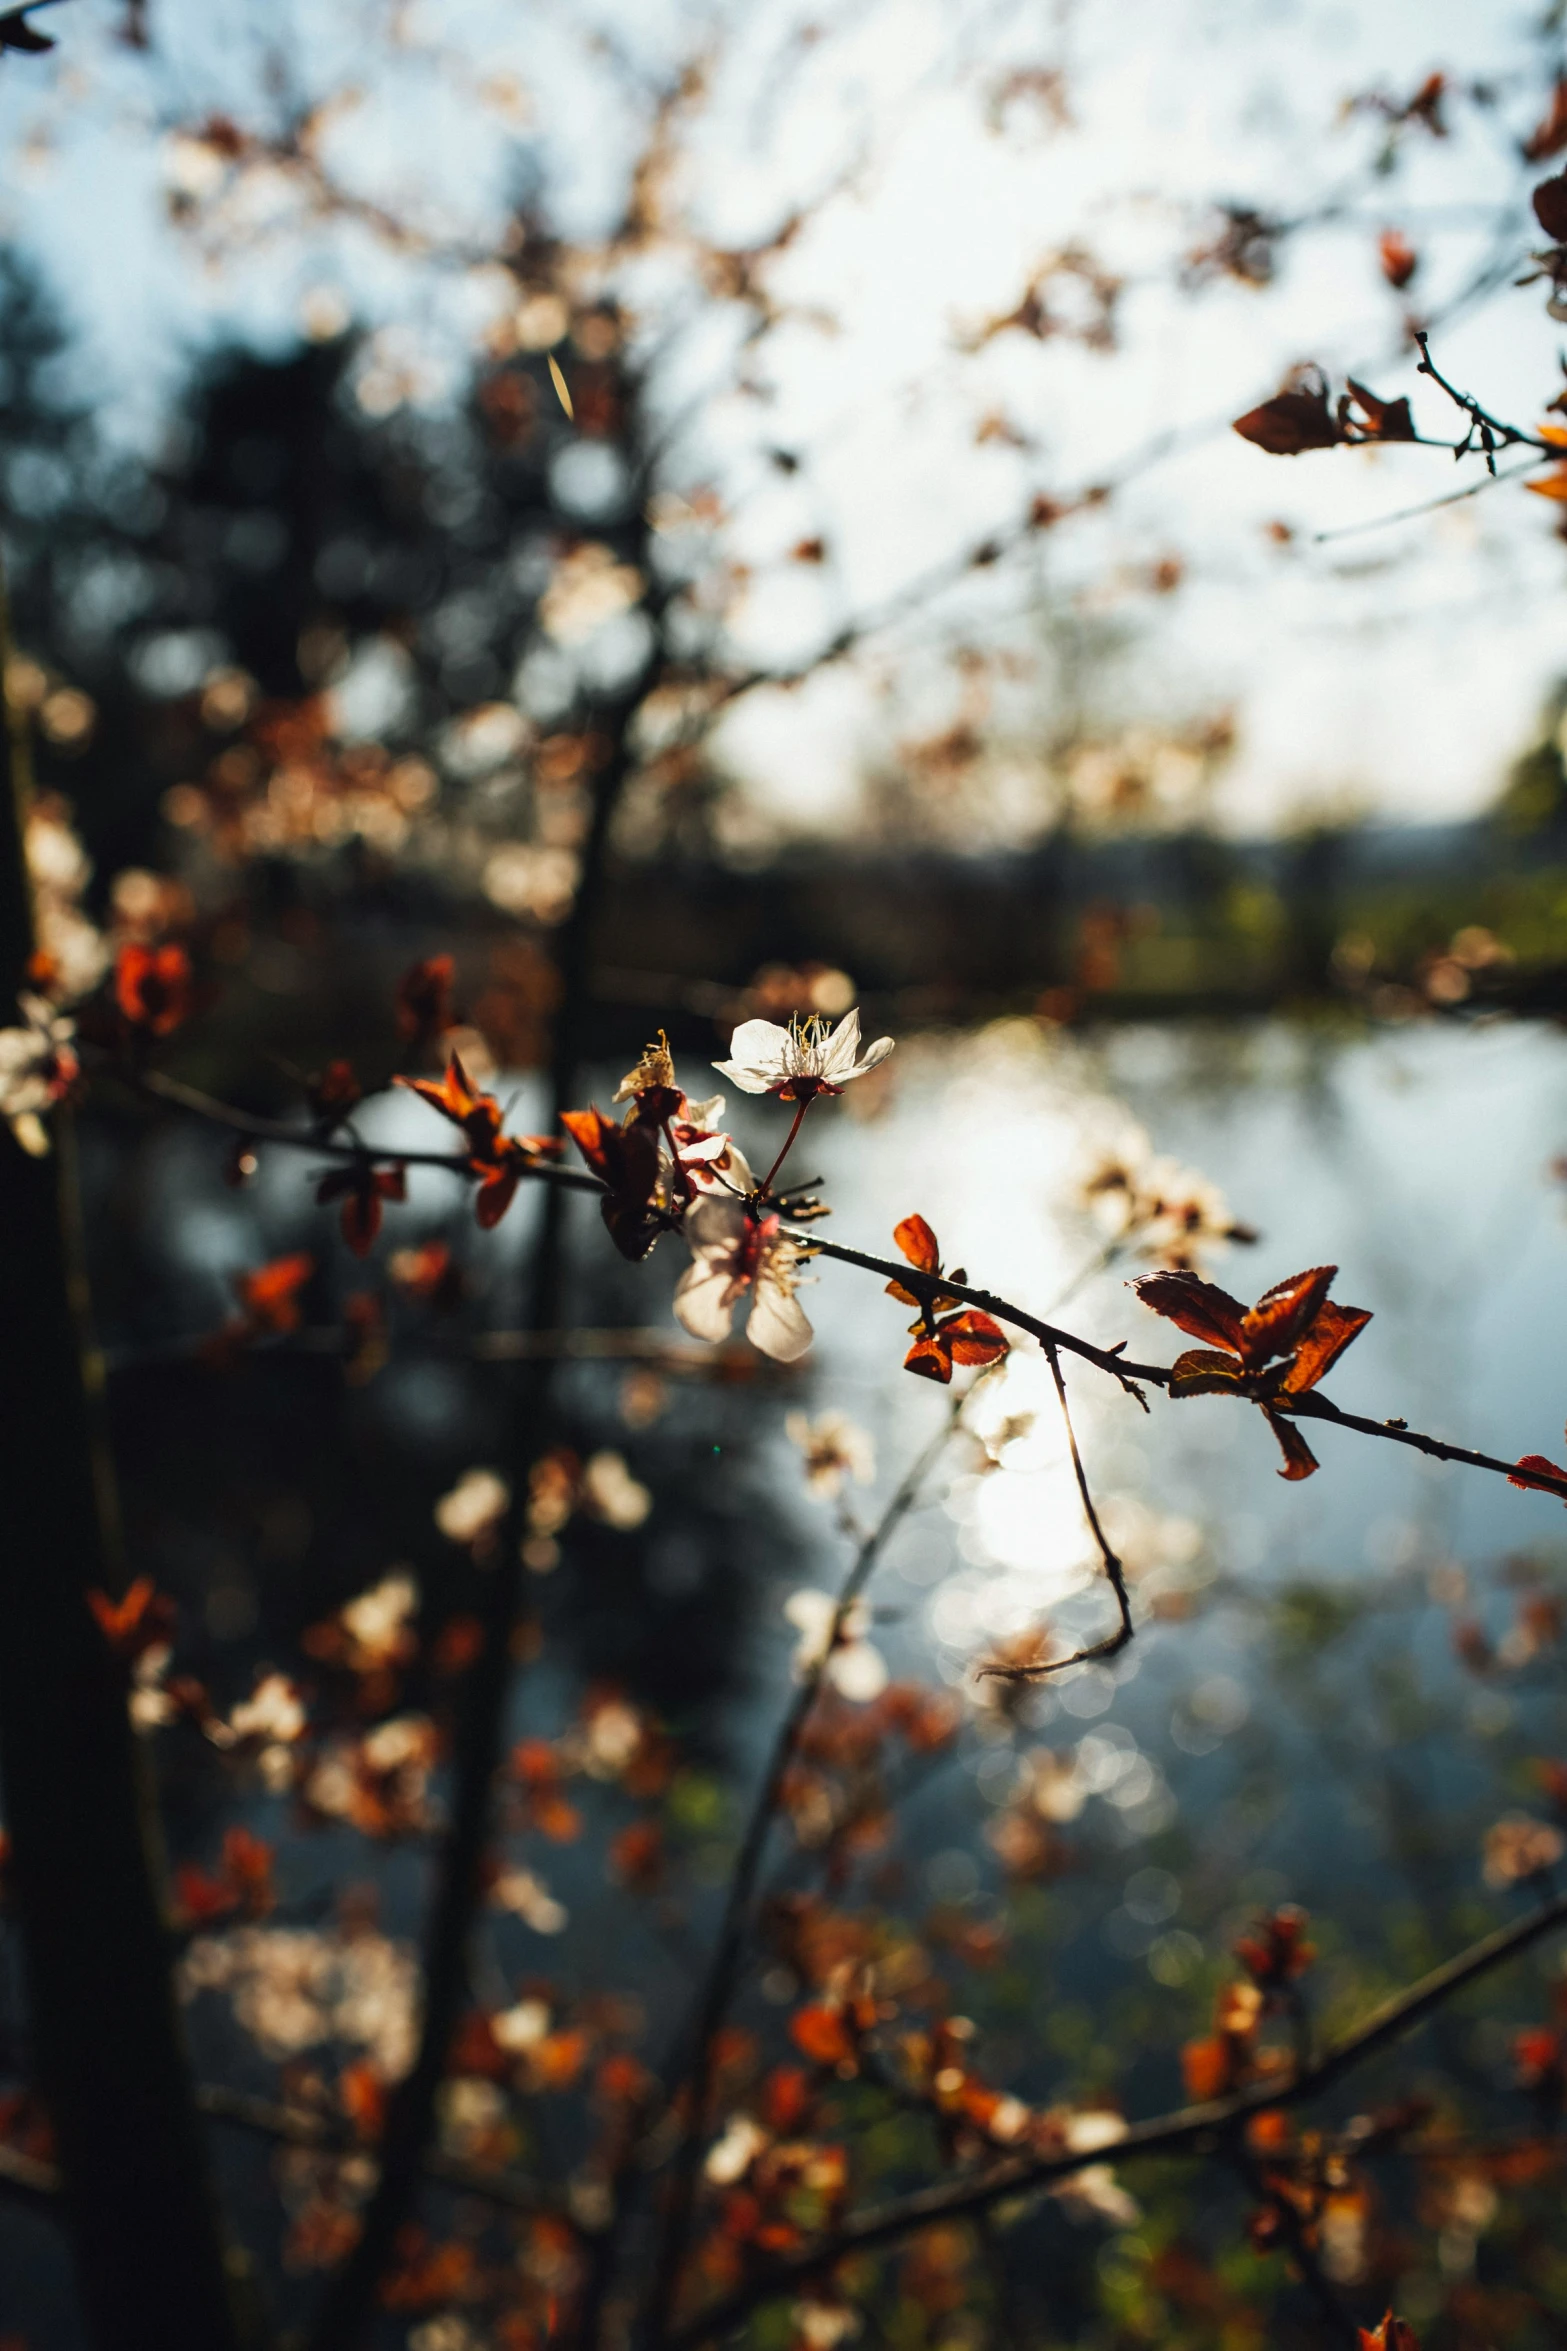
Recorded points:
(799,1120)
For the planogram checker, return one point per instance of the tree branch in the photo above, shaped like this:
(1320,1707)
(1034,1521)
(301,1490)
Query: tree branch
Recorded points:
(1192,2130)
(695,2076)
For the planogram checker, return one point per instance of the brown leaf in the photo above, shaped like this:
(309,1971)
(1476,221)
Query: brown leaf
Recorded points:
(930,1359)
(1283,1314)
(1550,207)
(1331,1331)
(1387,420)
(1194,1305)
(1398,258)
(1394,2334)
(1201,1373)
(973,1337)
(1550,135)
(1299,1460)
(918,1243)
(1295,419)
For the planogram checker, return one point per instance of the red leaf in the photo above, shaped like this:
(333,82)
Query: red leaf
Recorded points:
(270,1295)
(456,1097)
(496,1193)
(1299,1460)
(1546,1478)
(152,987)
(1275,1325)
(1332,1329)
(918,1243)
(1206,2069)
(1194,1305)
(930,1359)
(1394,2334)
(820,2032)
(972,1337)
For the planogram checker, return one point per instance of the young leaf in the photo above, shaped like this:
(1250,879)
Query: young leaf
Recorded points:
(1275,1325)
(1194,1305)
(1295,419)
(918,1243)
(1299,1460)
(1200,1372)
(1331,1331)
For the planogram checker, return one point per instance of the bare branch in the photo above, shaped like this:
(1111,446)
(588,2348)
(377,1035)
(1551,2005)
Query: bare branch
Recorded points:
(1192,2130)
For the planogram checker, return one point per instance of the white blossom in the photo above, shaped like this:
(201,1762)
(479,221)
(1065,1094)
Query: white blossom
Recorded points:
(611,1493)
(808,1057)
(731,2157)
(475,1506)
(856,1670)
(524,1893)
(37,1065)
(733,1255)
(835,1448)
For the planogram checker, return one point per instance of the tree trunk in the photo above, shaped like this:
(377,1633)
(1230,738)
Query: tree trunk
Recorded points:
(106,2045)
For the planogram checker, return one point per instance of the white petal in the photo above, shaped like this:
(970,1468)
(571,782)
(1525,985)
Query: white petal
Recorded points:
(778,1325)
(811,1612)
(705,1300)
(858,1672)
(875,1054)
(714,1225)
(837,1054)
(758,1056)
(704,1114)
(749,1081)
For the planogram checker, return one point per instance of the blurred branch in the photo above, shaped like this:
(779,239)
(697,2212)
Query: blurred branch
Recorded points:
(346,2312)
(1193,2130)
(693,2080)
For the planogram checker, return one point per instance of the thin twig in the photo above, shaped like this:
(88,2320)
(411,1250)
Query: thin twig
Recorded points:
(1302,2252)
(1193,2130)
(1131,1375)
(694,2077)
(1380,522)
(1113,1642)
(162,1088)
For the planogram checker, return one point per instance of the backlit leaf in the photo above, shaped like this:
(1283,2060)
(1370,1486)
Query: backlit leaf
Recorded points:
(1200,1372)
(1294,420)
(918,1243)
(1275,1324)
(1194,1305)
(1332,1329)
(1299,1460)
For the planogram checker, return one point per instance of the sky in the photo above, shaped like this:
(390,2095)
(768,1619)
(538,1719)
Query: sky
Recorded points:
(1395,670)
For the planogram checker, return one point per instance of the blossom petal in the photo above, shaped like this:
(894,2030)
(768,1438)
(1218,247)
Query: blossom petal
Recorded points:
(858,1672)
(759,1056)
(714,1225)
(778,1326)
(836,1054)
(873,1056)
(705,1299)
